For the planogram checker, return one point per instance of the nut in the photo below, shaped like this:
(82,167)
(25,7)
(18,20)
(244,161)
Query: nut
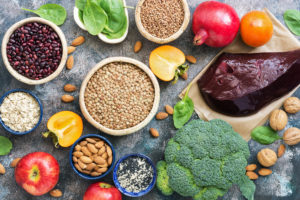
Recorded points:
(281,150)
(2,169)
(292,105)
(102,150)
(169,109)
(15,162)
(67,98)
(90,140)
(184,76)
(83,143)
(251,167)
(104,156)
(109,160)
(138,46)
(99,160)
(154,132)
(75,159)
(278,119)
(86,159)
(252,175)
(291,136)
(95,174)
(71,49)
(90,166)
(77,154)
(78,41)
(109,151)
(161,115)
(70,62)
(102,170)
(92,148)
(267,157)
(81,164)
(56,193)
(69,88)
(191,59)
(77,167)
(99,144)
(264,172)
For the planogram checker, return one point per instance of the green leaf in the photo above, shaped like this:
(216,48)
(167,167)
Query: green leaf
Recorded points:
(94,18)
(264,135)
(247,187)
(292,20)
(183,110)
(80,15)
(52,12)
(80,4)
(5,145)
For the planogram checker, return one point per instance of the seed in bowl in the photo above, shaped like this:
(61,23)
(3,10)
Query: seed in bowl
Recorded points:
(119,95)
(34,50)
(20,111)
(162,18)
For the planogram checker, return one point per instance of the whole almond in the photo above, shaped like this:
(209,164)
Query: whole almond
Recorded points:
(67,98)
(281,150)
(86,171)
(69,88)
(90,166)
(252,175)
(75,159)
(99,160)
(86,160)
(90,140)
(96,139)
(15,162)
(86,151)
(77,154)
(77,147)
(102,150)
(71,49)
(92,148)
(184,76)
(78,41)
(161,115)
(56,193)
(169,109)
(264,172)
(102,170)
(138,46)
(251,167)
(83,143)
(2,169)
(95,174)
(109,151)
(77,167)
(81,164)
(103,165)
(191,59)
(109,160)
(99,144)
(154,132)
(104,156)
(70,62)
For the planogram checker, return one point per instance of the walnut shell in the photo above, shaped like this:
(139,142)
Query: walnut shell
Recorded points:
(292,105)
(291,136)
(267,157)
(278,119)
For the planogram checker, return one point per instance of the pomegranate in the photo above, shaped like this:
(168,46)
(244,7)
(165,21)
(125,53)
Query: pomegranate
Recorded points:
(215,24)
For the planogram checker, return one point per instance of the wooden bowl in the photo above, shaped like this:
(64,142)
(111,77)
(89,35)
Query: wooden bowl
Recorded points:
(133,129)
(155,39)
(22,78)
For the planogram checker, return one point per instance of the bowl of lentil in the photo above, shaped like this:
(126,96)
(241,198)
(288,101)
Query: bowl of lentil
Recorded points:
(86,147)
(119,96)
(21,111)
(134,175)
(34,50)
(162,21)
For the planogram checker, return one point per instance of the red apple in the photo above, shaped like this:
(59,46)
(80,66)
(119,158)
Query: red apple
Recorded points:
(102,191)
(37,173)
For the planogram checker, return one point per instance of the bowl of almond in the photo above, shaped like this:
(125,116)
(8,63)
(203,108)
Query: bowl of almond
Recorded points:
(92,157)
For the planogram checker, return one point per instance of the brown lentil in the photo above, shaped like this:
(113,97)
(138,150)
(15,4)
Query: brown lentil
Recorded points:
(162,18)
(119,95)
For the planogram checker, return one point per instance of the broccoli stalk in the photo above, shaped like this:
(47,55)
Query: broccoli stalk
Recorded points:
(162,182)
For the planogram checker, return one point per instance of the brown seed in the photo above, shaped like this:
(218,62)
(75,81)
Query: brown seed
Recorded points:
(154,132)
(69,88)
(281,150)
(138,46)
(169,109)
(90,166)
(92,148)
(264,172)
(102,150)
(2,169)
(15,162)
(109,151)
(56,193)
(78,41)
(90,140)
(104,156)
(99,144)
(184,76)
(71,49)
(81,164)
(102,170)
(86,151)
(109,160)
(251,167)
(70,62)
(75,159)
(86,159)
(67,98)
(252,175)
(161,115)
(77,154)
(99,160)
(191,59)
(95,174)
(83,143)
(77,167)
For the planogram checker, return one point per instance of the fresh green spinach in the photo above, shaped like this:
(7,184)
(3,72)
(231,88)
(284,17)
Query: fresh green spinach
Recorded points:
(5,146)
(292,20)
(264,135)
(52,12)
(80,4)
(183,110)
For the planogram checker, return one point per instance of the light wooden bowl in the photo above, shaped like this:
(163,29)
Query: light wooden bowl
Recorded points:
(155,39)
(133,129)
(22,78)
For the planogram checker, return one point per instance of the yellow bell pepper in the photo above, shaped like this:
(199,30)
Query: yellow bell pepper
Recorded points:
(65,128)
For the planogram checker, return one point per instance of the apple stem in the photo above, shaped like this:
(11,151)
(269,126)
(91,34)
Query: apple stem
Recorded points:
(200,37)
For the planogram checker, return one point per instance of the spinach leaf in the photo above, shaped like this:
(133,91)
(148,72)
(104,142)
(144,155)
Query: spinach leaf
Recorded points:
(94,18)
(183,110)
(80,15)
(80,4)
(292,20)
(52,12)
(247,187)
(264,135)
(5,145)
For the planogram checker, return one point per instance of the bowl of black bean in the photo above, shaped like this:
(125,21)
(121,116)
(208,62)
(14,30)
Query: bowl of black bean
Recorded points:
(34,50)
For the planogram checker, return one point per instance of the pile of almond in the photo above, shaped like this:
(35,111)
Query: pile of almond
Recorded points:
(161,116)
(92,156)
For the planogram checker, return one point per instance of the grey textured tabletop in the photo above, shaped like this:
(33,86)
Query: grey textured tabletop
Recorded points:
(284,183)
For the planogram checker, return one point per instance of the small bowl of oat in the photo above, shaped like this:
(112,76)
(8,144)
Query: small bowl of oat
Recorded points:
(162,21)
(21,111)
(119,96)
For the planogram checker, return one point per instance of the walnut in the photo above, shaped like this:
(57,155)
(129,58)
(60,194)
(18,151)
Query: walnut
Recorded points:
(292,105)
(267,157)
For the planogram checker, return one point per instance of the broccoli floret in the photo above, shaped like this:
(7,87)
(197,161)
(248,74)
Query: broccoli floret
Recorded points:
(171,151)
(209,193)
(162,182)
